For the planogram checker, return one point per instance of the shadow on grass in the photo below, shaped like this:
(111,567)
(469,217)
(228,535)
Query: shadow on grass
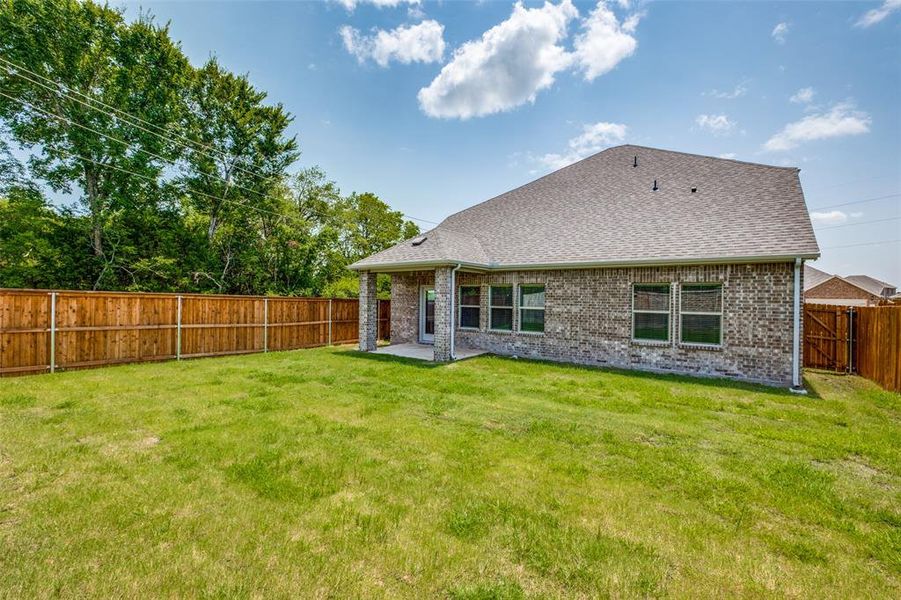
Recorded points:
(646,375)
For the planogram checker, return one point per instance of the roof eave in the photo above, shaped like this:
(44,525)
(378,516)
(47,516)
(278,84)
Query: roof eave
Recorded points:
(656,262)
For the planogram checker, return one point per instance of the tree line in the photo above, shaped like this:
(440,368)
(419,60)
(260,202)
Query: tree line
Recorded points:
(124,167)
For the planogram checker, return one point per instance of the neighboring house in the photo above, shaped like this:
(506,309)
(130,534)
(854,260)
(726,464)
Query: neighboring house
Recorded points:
(634,257)
(855,290)
(880,288)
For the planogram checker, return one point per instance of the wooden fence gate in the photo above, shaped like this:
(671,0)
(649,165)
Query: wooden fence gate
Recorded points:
(828,337)
(865,340)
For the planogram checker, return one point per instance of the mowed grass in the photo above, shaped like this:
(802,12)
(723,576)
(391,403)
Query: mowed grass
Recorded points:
(332,473)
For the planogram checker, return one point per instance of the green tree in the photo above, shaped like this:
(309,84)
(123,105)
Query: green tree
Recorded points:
(235,169)
(368,225)
(90,51)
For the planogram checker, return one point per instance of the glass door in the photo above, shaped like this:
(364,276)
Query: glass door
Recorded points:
(427,314)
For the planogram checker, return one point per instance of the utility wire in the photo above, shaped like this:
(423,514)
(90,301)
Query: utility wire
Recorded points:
(132,120)
(153,180)
(863,244)
(857,202)
(860,223)
(66,94)
(123,142)
(863,179)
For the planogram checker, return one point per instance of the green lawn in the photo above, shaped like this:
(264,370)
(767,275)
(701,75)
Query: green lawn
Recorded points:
(331,473)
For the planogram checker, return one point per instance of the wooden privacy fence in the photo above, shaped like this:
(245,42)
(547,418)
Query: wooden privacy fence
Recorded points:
(865,340)
(45,330)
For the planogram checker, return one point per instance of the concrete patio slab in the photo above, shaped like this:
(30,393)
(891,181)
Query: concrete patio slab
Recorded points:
(423,351)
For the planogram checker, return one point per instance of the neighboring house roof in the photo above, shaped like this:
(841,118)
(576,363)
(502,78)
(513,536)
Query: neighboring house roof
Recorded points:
(872,285)
(603,211)
(814,277)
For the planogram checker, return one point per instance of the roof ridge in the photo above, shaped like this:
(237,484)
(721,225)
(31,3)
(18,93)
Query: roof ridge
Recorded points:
(596,154)
(695,155)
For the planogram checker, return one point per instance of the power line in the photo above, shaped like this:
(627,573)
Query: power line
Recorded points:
(194,192)
(863,179)
(857,201)
(123,142)
(863,244)
(132,120)
(859,223)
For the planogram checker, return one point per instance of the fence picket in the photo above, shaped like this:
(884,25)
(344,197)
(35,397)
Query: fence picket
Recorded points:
(865,340)
(59,329)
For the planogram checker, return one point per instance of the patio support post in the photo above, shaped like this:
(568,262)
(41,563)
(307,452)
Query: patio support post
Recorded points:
(369,311)
(443,316)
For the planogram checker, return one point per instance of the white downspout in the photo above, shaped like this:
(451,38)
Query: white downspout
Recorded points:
(453,295)
(796,339)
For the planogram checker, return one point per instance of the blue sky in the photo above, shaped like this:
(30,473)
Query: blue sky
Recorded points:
(438,106)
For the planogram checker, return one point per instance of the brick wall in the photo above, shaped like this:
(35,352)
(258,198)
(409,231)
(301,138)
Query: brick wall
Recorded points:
(836,289)
(405,304)
(588,319)
(369,311)
(442,314)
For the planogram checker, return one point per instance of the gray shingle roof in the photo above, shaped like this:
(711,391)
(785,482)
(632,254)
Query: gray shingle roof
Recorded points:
(870,284)
(814,277)
(602,210)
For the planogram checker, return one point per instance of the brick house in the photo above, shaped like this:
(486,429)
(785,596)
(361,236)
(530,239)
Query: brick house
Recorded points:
(634,257)
(854,290)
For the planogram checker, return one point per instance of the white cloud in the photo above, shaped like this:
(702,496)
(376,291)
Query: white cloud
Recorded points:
(604,42)
(738,91)
(832,217)
(594,138)
(779,32)
(840,121)
(505,68)
(803,96)
(352,4)
(405,44)
(730,155)
(871,17)
(716,124)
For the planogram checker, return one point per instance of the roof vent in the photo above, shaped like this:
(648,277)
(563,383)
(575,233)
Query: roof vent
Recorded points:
(634,162)
(655,188)
(418,240)
(693,190)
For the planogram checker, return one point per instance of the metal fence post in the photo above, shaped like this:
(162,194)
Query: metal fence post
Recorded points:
(52,332)
(329,321)
(178,332)
(265,324)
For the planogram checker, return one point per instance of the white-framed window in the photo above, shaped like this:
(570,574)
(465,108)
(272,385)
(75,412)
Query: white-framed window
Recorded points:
(651,312)
(531,308)
(470,306)
(701,314)
(500,308)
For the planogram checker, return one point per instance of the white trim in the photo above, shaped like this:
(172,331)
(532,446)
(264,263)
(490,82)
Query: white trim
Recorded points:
(796,328)
(420,333)
(520,308)
(668,312)
(682,312)
(512,307)
(461,306)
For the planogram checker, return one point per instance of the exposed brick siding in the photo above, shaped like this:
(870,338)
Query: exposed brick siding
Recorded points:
(836,289)
(588,318)
(369,311)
